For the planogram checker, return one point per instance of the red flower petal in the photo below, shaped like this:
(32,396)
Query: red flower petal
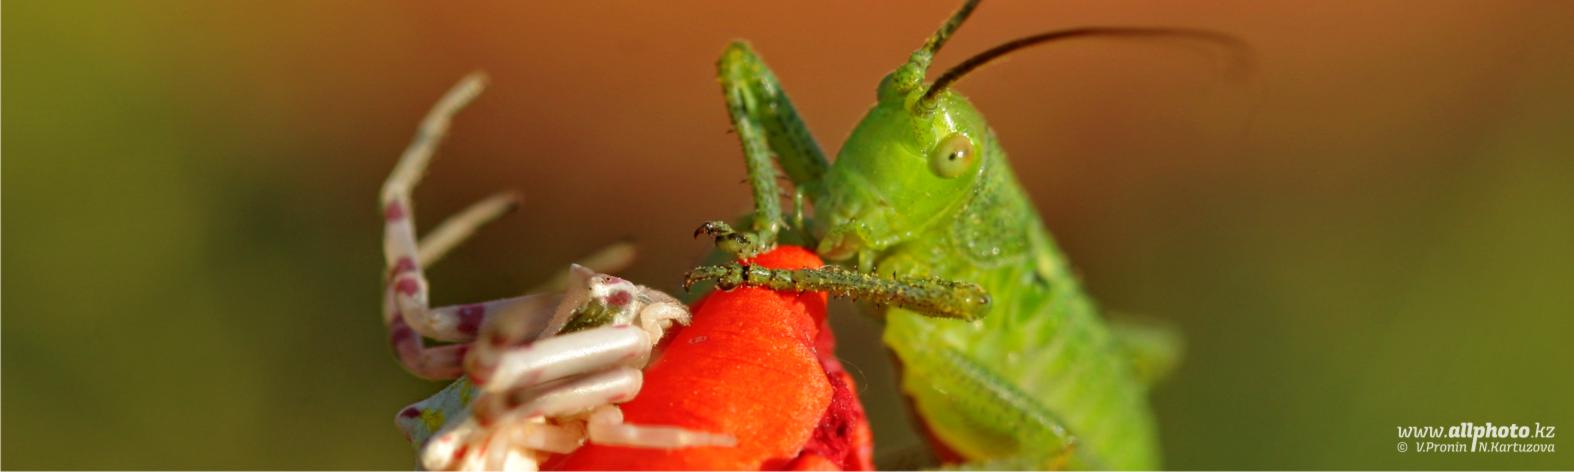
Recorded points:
(747,366)
(842,440)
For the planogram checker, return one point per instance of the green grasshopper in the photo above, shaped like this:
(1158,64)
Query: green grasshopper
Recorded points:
(1004,355)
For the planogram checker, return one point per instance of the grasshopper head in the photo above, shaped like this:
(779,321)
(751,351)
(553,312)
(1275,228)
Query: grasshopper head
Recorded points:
(921,151)
(909,164)
(906,167)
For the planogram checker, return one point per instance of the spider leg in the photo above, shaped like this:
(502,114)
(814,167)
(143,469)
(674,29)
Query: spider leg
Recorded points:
(407,284)
(659,312)
(523,446)
(447,361)
(536,434)
(406,311)
(453,446)
(514,443)
(457,228)
(606,427)
(558,357)
(596,393)
(500,453)
(433,363)
(568,397)
(608,260)
(509,329)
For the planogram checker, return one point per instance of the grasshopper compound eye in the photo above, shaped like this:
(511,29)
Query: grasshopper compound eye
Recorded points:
(954,155)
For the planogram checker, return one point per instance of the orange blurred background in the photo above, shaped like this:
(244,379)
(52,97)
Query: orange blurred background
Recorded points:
(1370,229)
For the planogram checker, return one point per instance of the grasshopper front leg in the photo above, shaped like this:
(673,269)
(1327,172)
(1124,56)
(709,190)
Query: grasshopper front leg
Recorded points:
(931,296)
(767,124)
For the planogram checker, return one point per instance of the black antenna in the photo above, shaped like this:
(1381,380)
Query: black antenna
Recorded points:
(955,73)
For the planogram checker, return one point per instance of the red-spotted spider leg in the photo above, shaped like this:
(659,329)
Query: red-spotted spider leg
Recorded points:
(507,329)
(406,311)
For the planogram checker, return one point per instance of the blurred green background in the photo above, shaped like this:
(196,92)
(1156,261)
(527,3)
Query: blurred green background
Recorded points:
(1372,230)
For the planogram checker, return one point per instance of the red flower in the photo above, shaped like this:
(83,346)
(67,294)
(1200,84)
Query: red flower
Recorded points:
(758,365)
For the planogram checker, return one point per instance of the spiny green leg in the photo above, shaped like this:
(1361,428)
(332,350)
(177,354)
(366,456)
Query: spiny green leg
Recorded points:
(928,295)
(767,124)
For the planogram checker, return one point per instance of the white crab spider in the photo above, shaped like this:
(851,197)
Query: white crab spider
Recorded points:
(551,367)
